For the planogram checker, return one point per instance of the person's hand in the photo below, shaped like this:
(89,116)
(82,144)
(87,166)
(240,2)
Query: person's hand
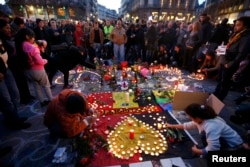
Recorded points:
(226,65)
(90,119)
(196,150)
(167,125)
(94,113)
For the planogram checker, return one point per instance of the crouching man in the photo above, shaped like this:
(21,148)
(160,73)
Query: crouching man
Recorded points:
(68,114)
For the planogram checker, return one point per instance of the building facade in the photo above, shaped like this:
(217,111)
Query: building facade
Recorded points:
(159,9)
(231,9)
(105,13)
(47,9)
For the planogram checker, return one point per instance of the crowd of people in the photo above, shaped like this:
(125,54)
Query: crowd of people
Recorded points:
(26,48)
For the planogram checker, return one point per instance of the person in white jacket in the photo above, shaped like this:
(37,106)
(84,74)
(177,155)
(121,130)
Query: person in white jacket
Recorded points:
(216,134)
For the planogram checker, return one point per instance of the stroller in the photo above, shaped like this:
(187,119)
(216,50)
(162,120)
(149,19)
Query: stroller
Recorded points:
(107,53)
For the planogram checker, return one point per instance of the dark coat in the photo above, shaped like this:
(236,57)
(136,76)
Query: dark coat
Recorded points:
(65,60)
(2,66)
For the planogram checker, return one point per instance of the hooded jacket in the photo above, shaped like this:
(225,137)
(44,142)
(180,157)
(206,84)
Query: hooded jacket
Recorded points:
(70,124)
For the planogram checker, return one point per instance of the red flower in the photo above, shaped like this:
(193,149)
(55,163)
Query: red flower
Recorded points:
(84,161)
(107,77)
(171,139)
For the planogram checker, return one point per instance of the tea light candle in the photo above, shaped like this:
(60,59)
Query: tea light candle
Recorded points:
(159,126)
(131,134)
(130,122)
(130,91)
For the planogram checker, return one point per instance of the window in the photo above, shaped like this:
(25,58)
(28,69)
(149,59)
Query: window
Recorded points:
(155,2)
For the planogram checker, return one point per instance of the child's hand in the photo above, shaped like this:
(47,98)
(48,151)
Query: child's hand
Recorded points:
(196,150)
(90,119)
(167,125)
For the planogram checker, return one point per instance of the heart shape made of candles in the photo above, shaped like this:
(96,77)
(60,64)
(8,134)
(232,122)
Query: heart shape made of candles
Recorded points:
(131,136)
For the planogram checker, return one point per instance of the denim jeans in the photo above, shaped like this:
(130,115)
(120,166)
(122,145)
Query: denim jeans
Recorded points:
(97,48)
(40,81)
(109,62)
(9,97)
(119,52)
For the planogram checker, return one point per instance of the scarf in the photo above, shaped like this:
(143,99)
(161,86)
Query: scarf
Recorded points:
(235,37)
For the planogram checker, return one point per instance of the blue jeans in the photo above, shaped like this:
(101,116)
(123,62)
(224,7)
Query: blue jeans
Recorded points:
(119,52)
(9,97)
(97,48)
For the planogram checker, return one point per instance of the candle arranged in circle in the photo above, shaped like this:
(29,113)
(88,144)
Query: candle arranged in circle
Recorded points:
(130,122)
(131,134)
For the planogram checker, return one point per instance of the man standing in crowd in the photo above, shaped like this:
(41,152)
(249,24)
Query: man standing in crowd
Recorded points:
(107,31)
(96,38)
(151,36)
(237,49)
(119,38)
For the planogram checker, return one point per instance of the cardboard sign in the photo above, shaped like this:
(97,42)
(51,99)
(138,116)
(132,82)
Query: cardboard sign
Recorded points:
(183,99)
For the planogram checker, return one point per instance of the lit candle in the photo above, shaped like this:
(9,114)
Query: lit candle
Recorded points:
(131,134)
(159,126)
(127,97)
(130,122)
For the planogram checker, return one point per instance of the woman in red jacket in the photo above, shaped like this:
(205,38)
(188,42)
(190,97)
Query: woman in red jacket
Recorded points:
(78,35)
